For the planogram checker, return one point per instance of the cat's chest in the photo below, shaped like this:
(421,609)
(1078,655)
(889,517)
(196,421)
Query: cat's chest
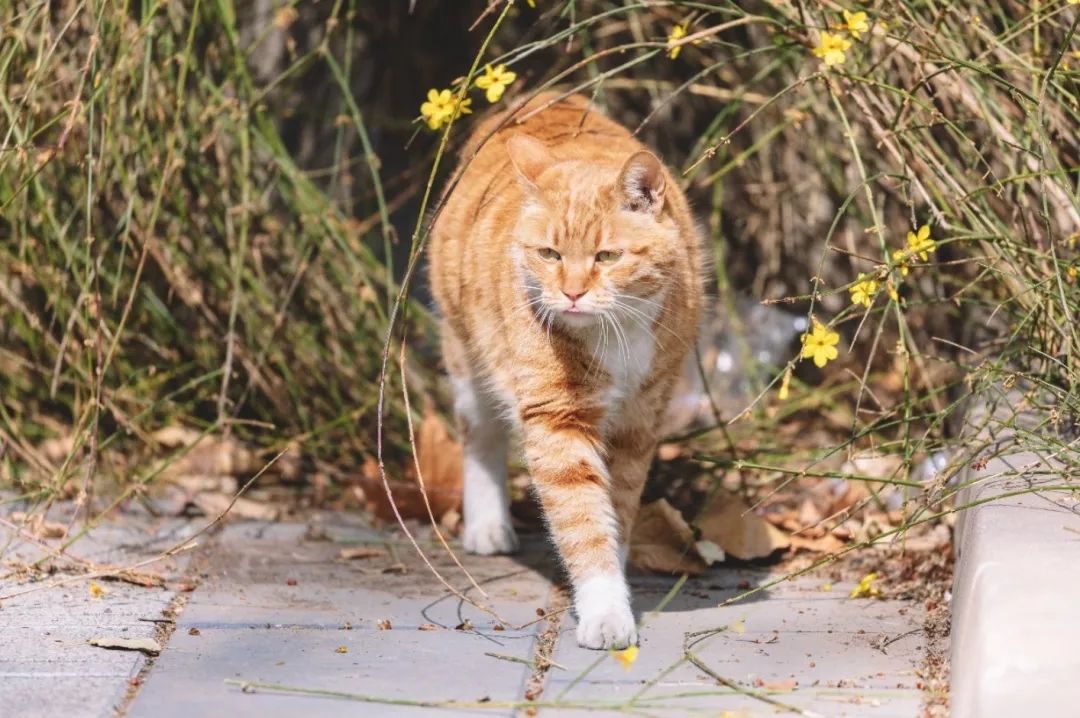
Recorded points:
(627,361)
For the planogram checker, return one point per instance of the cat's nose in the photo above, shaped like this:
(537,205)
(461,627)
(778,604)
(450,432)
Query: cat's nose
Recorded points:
(574,296)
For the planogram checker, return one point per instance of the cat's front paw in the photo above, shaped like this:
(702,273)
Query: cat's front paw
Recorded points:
(611,627)
(488,538)
(605,619)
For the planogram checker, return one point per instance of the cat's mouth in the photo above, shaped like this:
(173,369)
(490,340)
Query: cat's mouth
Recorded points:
(577,316)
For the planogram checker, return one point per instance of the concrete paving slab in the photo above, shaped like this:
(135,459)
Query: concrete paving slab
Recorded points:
(47,667)
(275,604)
(814,650)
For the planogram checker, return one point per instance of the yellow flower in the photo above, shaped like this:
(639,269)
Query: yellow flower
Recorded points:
(900,258)
(785,383)
(831,49)
(443,106)
(626,656)
(920,244)
(820,344)
(532,3)
(866,587)
(495,80)
(97,591)
(856,23)
(890,288)
(863,291)
(677,33)
(1071,273)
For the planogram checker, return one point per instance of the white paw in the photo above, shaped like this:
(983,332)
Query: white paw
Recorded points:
(488,538)
(604,616)
(611,628)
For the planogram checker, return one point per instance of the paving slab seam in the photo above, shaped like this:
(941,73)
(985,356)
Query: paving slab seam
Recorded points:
(167,625)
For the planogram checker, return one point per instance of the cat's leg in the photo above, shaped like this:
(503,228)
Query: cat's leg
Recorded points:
(562,448)
(630,452)
(485,434)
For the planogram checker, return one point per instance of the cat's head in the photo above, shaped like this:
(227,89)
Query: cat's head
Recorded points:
(593,239)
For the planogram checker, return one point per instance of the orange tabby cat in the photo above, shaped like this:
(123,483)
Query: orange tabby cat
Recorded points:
(567,271)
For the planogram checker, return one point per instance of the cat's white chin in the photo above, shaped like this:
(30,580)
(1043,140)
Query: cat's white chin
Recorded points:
(577,319)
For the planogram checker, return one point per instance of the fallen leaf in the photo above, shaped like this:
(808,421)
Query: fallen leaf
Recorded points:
(809,515)
(349,554)
(341,649)
(626,657)
(781,686)
(215,504)
(37,525)
(146,645)
(97,591)
(440,458)
(738,628)
(204,455)
(427,627)
(440,461)
(194,631)
(146,579)
(709,552)
(384,625)
(825,544)
(662,541)
(731,525)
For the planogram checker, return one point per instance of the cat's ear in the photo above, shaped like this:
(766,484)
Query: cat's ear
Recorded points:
(530,157)
(641,183)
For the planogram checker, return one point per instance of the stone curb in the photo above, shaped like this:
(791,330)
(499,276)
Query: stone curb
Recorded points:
(1016,591)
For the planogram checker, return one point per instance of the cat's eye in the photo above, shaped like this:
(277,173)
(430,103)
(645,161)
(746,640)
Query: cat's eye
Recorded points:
(607,256)
(549,254)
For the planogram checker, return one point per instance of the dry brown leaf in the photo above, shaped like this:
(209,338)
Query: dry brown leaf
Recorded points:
(36,525)
(440,463)
(729,523)
(824,544)
(146,579)
(348,554)
(662,541)
(809,515)
(199,483)
(207,455)
(215,504)
(440,460)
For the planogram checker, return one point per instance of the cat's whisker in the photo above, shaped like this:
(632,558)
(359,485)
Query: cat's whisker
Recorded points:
(651,319)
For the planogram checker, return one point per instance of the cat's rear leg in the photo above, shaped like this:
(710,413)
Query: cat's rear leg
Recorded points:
(485,435)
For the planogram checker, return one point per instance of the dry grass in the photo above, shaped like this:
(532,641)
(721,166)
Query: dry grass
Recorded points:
(206,212)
